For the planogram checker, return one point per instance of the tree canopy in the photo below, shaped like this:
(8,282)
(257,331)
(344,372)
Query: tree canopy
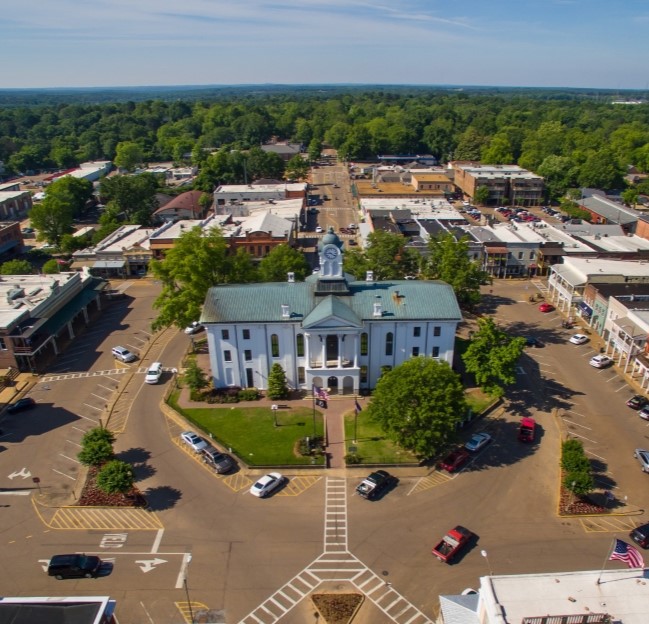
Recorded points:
(492,356)
(16,267)
(133,198)
(281,260)
(418,405)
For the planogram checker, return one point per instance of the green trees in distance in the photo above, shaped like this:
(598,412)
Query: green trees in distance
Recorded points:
(16,267)
(385,254)
(523,127)
(281,260)
(491,357)
(418,405)
(448,260)
(277,385)
(131,198)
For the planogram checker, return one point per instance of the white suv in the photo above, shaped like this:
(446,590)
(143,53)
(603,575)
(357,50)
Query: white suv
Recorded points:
(123,355)
(154,373)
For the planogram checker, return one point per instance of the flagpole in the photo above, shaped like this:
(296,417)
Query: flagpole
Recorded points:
(610,550)
(313,392)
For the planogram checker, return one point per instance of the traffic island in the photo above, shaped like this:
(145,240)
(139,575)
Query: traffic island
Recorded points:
(337,608)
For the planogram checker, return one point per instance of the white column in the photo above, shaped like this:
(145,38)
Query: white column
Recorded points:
(307,350)
(356,349)
(323,350)
(340,350)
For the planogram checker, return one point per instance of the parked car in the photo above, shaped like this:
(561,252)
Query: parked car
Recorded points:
(122,354)
(73,566)
(374,484)
(640,535)
(194,328)
(477,441)
(546,307)
(642,455)
(221,462)
(154,373)
(533,341)
(455,460)
(644,413)
(637,401)
(600,361)
(21,405)
(579,339)
(194,441)
(264,486)
(318,229)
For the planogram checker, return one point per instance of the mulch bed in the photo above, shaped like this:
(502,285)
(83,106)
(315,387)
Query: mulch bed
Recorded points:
(337,608)
(92,496)
(571,505)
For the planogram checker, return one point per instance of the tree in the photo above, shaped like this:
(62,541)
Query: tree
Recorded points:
(196,262)
(630,197)
(51,267)
(16,267)
(281,260)
(296,168)
(194,376)
(481,195)
(386,255)
(98,434)
(116,477)
(492,356)
(132,197)
(601,171)
(448,260)
(52,218)
(277,386)
(558,173)
(128,155)
(96,453)
(315,149)
(418,405)
(499,151)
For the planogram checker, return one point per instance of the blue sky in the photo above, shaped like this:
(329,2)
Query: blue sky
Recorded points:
(83,43)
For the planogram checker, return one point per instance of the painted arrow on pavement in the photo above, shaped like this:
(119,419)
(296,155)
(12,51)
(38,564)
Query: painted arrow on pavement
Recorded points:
(146,565)
(24,473)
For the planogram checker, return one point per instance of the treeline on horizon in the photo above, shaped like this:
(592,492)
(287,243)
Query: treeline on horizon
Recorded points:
(571,137)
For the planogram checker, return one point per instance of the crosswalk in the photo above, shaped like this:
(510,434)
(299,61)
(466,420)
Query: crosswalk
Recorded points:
(336,563)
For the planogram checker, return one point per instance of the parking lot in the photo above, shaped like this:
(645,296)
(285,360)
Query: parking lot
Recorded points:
(237,551)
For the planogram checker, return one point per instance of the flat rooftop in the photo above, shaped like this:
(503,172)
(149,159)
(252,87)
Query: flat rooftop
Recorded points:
(261,188)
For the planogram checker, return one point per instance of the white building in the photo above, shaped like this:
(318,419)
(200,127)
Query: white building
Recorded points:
(330,330)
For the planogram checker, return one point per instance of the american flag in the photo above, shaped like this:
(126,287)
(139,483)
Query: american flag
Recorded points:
(320,393)
(625,552)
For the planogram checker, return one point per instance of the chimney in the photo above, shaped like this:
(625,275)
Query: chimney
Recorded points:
(378,309)
(286,312)
(369,276)
(291,277)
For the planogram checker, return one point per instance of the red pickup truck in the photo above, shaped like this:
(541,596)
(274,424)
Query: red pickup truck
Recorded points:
(452,543)
(526,429)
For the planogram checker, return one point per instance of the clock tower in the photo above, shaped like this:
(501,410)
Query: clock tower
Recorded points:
(331,257)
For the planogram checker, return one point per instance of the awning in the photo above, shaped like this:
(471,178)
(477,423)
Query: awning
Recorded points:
(496,250)
(109,264)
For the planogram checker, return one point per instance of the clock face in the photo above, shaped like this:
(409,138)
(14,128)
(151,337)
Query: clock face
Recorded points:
(330,253)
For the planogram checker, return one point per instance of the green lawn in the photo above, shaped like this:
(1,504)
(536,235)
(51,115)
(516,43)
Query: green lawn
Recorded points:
(371,444)
(251,433)
(478,401)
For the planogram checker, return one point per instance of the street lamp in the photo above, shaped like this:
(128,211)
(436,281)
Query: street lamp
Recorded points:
(189,602)
(484,554)
(273,409)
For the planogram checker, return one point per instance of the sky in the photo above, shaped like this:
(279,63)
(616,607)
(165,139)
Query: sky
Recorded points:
(536,43)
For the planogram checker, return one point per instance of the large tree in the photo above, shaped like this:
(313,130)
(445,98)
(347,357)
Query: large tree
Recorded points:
(197,261)
(449,261)
(418,405)
(386,255)
(492,356)
(297,168)
(280,261)
(133,197)
(128,155)
(16,267)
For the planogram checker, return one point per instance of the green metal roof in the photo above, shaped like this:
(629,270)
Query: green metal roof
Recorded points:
(262,303)
(332,307)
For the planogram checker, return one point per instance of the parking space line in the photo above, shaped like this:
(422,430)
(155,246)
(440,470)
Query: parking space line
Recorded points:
(594,455)
(63,474)
(76,461)
(576,413)
(582,437)
(99,409)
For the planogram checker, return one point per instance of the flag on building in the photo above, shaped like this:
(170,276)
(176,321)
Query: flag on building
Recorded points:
(320,393)
(627,553)
(357,406)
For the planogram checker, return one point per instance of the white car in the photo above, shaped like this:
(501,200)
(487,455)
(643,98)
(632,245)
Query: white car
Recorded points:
(194,328)
(154,373)
(477,441)
(318,230)
(267,484)
(600,361)
(579,339)
(194,441)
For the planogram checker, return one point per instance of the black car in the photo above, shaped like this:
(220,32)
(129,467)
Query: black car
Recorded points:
(21,404)
(637,402)
(372,486)
(532,341)
(74,566)
(640,535)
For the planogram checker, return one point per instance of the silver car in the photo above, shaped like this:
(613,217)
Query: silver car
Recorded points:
(642,455)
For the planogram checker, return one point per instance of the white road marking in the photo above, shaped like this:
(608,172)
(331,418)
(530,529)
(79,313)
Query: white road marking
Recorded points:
(595,455)
(76,461)
(572,422)
(63,474)
(16,493)
(23,472)
(576,435)
(99,409)
(183,570)
(156,542)
(73,442)
(146,565)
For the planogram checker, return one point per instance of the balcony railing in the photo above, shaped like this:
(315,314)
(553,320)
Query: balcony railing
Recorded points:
(345,363)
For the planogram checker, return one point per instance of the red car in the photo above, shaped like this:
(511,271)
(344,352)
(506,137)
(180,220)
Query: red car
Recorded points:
(455,460)
(546,307)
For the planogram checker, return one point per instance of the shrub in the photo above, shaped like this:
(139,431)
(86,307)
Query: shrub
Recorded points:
(575,461)
(277,386)
(583,483)
(96,434)
(310,446)
(95,453)
(116,477)
(353,458)
(248,394)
